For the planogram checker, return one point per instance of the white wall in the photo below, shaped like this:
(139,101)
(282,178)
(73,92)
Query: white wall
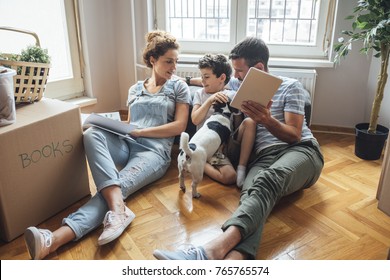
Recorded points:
(341,91)
(125,46)
(109,53)
(343,94)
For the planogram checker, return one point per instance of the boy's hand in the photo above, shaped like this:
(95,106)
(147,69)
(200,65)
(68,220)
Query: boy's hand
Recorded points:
(219,97)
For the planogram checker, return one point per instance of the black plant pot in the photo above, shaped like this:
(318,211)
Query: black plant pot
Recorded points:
(369,146)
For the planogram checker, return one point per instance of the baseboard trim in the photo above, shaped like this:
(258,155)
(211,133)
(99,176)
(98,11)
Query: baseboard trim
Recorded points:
(332,129)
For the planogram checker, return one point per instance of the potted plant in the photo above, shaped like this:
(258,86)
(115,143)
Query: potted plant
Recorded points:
(32,67)
(371,25)
(30,54)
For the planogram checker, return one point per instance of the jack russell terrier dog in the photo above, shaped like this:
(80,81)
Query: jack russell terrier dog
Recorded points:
(204,144)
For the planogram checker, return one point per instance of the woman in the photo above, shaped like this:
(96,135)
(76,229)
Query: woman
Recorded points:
(159,106)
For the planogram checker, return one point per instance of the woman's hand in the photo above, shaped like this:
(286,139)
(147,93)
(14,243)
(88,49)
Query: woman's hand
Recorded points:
(169,129)
(135,133)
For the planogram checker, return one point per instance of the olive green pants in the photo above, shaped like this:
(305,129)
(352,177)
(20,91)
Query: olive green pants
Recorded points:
(278,171)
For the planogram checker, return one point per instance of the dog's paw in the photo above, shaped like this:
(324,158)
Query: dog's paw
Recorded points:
(196,195)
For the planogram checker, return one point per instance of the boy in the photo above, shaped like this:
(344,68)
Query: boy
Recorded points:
(215,74)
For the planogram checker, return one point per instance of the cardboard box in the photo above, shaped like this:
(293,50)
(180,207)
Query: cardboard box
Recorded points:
(43,165)
(383,194)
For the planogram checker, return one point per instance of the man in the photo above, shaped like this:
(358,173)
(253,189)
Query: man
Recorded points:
(288,159)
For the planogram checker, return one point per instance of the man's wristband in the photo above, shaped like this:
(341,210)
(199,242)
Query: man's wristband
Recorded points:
(188,80)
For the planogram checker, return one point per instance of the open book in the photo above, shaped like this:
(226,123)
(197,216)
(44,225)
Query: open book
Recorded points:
(258,86)
(112,124)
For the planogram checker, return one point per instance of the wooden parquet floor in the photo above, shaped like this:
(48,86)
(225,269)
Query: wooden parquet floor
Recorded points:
(337,218)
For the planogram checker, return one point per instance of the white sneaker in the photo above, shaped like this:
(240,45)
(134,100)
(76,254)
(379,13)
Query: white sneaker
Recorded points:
(193,253)
(114,225)
(38,242)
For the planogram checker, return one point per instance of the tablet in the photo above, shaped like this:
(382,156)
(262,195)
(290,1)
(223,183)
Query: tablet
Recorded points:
(258,86)
(112,125)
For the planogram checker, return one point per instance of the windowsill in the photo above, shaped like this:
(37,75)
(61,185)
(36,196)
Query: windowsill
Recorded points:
(273,62)
(83,101)
(300,63)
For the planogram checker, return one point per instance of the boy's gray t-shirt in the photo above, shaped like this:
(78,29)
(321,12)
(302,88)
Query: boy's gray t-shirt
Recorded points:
(201,96)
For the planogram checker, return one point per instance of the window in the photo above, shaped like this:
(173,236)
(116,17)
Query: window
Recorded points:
(291,28)
(54,23)
(203,20)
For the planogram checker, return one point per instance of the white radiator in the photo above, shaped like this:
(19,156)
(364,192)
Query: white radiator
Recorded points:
(306,76)
(184,70)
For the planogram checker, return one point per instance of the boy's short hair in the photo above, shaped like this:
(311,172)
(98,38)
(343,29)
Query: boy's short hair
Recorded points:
(218,63)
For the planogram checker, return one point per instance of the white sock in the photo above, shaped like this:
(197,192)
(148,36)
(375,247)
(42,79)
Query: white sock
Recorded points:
(241,174)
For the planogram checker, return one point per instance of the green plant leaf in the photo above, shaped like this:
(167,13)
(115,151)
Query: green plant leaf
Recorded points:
(361,25)
(35,54)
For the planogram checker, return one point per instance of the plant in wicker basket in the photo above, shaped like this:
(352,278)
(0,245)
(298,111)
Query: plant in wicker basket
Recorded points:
(34,54)
(30,54)
(32,66)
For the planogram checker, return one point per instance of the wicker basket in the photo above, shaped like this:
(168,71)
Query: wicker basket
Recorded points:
(31,77)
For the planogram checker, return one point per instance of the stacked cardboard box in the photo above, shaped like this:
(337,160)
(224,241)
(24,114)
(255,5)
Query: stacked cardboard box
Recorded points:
(383,194)
(43,166)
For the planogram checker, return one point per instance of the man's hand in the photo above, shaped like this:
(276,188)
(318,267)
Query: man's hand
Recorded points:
(289,132)
(257,112)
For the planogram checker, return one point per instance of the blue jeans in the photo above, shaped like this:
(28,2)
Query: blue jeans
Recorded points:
(114,160)
(278,171)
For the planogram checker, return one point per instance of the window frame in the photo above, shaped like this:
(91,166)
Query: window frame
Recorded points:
(189,46)
(71,84)
(72,87)
(238,32)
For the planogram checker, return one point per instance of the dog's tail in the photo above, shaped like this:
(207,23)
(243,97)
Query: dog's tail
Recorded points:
(184,146)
